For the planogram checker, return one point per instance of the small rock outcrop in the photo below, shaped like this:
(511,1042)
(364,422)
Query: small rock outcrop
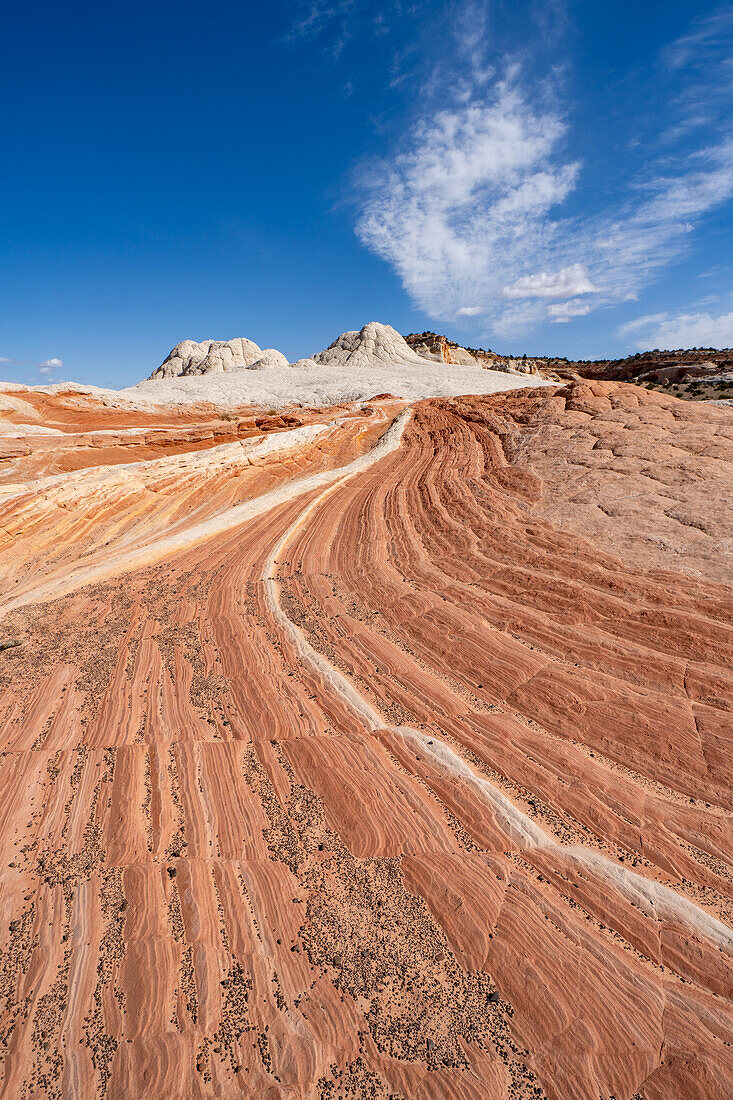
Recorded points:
(431,345)
(269,358)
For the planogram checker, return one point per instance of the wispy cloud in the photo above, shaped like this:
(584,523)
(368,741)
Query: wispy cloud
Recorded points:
(629,247)
(702,42)
(700,64)
(338,23)
(49,367)
(466,204)
(473,205)
(560,284)
(688,330)
(6,362)
(562,312)
(314,16)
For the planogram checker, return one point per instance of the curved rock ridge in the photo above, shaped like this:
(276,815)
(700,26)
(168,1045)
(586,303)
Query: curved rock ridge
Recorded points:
(209,357)
(388,755)
(62,530)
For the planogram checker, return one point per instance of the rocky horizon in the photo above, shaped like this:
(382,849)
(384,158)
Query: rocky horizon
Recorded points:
(697,373)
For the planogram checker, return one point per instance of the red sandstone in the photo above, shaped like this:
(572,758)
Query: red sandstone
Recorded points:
(498,865)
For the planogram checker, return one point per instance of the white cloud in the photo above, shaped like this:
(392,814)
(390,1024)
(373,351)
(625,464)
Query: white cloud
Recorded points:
(341,23)
(702,43)
(469,311)
(473,198)
(562,284)
(701,65)
(467,202)
(645,235)
(470,207)
(48,367)
(641,323)
(562,312)
(688,330)
(316,15)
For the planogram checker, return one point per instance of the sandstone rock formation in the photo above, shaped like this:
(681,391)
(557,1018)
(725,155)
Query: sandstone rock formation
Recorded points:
(430,345)
(270,357)
(374,344)
(377,751)
(304,364)
(358,364)
(702,374)
(208,357)
(669,365)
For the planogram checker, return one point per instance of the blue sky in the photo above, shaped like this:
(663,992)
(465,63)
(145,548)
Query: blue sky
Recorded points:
(547,177)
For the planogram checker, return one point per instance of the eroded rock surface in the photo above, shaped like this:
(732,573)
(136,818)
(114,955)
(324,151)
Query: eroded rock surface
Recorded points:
(373,345)
(406,772)
(209,357)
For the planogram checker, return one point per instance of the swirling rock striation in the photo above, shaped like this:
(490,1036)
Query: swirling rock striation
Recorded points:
(334,767)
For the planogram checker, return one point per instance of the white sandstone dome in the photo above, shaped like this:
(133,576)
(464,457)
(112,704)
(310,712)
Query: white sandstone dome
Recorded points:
(208,357)
(270,357)
(374,345)
(303,364)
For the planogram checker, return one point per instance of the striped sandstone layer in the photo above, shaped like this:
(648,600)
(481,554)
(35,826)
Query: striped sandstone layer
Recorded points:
(413,779)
